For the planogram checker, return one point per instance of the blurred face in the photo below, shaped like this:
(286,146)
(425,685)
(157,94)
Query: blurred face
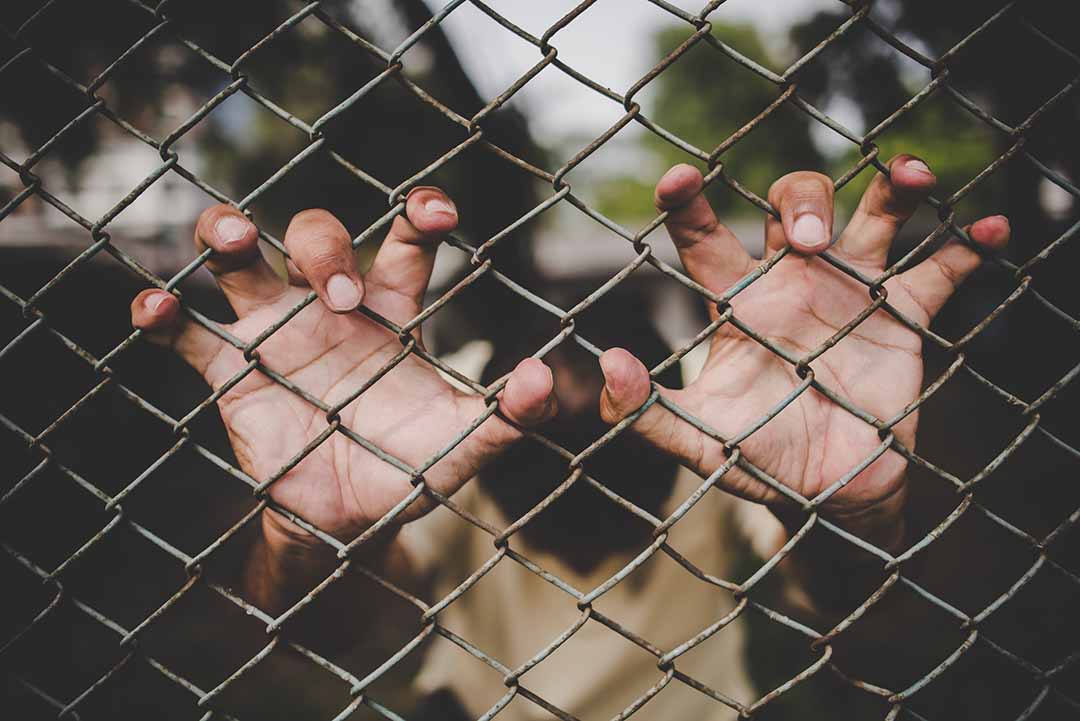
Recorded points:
(583,526)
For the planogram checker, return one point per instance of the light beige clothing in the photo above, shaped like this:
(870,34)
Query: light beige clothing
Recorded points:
(512,614)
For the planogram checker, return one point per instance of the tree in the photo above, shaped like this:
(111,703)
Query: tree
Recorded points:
(307,70)
(703,98)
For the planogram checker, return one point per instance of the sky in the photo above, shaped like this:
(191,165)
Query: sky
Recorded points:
(610,42)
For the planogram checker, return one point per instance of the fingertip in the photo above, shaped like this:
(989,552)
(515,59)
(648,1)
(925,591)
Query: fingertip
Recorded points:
(617,365)
(431,211)
(529,396)
(153,309)
(534,374)
(626,384)
(226,230)
(908,172)
(234,233)
(805,201)
(678,186)
(992,232)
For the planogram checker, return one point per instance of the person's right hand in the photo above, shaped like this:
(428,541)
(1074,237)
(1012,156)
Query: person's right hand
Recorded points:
(330,351)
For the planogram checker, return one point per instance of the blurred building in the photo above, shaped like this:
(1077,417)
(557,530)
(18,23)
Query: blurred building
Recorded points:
(155,229)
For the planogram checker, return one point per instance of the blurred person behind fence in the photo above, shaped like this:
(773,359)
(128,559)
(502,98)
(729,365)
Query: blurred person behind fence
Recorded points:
(412,412)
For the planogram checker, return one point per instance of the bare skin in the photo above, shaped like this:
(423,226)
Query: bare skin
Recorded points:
(330,351)
(800,303)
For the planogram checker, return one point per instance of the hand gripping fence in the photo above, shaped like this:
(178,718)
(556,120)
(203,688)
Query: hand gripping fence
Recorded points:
(128,639)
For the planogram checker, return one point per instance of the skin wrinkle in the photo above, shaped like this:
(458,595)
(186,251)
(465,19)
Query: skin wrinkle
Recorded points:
(947,272)
(371,282)
(726,343)
(321,449)
(820,295)
(812,312)
(467,415)
(215,358)
(412,412)
(855,511)
(828,427)
(824,444)
(253,301)
(915,298)
(698,231)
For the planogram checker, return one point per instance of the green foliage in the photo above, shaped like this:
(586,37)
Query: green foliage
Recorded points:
(956,146)
(705,97)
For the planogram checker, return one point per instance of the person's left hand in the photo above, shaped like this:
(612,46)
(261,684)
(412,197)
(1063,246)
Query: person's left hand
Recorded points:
(801,302)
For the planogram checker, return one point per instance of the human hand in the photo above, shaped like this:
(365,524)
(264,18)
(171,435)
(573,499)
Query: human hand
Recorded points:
(330,351)
(798,304)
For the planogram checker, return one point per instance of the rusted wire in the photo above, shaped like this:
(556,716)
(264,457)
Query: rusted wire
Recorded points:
(40,450)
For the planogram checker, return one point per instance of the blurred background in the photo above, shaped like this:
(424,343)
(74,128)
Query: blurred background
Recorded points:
(562,255)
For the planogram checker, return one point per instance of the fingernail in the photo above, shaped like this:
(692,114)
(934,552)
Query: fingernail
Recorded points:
(918,166)
(438,205)
(809,231)
(343,293)
(231,229)
(153,302)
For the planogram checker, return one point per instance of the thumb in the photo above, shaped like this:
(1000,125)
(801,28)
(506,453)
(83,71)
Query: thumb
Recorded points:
(627,386)
(529,396)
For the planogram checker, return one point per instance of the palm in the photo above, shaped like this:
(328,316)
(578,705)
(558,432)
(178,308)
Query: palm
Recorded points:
(410,413)
(797,305)
(316,464)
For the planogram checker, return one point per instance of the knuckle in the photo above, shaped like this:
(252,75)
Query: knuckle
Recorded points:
(811,184)
(776,190)
(315,237)
(953,275)
(690,233)
(886,204)
(309,225)
(801,185)
(322,261)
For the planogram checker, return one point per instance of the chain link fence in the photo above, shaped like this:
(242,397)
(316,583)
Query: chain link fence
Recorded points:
(128,643)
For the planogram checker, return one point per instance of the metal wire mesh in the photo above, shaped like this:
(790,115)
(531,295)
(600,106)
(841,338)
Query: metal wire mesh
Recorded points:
(699,32)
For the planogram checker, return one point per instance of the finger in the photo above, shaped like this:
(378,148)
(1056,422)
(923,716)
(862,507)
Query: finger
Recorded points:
(242,273)
(626,387)
(884,208)
(804,200)
(932,282)
(711,253)
(320,249)
(157,313)
(406,258)
(529,398)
